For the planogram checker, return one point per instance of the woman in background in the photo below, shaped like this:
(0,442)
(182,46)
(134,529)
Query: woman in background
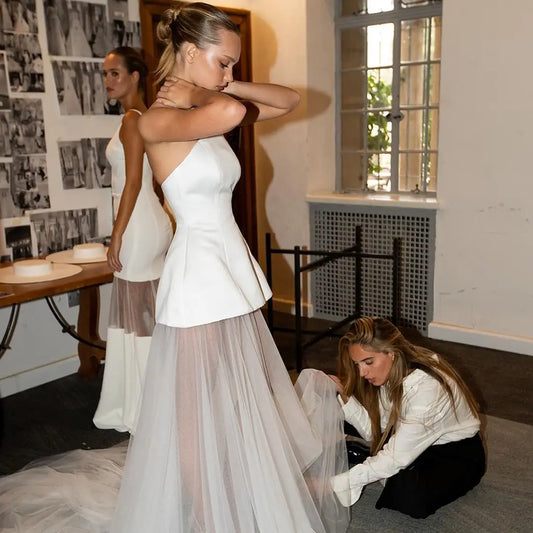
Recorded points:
(139,241)
(417,412)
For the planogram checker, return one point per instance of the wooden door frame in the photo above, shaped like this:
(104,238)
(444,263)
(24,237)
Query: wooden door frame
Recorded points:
(244,195)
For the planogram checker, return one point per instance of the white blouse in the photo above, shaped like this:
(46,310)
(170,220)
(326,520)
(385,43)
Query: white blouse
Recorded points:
(427,418)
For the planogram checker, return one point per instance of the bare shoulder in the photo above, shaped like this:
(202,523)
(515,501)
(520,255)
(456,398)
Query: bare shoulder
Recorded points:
(130,126)
(131,118)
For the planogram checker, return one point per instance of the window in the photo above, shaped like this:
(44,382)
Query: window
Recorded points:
(388,76)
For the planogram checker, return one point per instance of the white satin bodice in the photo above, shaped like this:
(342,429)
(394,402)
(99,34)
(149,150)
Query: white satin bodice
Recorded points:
(210,273)
(149,232)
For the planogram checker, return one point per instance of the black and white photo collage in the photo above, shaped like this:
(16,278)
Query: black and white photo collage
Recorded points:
(78,36)
(86,32)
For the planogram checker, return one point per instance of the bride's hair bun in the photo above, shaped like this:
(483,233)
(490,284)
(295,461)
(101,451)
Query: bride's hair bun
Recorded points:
(164,28)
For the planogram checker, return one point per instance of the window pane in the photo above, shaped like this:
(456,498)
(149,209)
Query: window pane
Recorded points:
(359,7)
(433,130)
(431,181)
(379,172)
(353,48)
(379,94)
(379,132)
(434,84)
(410,171)
(352,131)
(412,130)
(412,85)
(415,40)
(353,95)
(380,41)
(436,23)
(353,166)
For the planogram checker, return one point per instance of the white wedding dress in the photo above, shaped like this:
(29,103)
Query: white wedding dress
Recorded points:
(224,442)
(132,312)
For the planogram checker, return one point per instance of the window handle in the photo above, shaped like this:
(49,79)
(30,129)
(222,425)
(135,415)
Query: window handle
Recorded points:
(399,116)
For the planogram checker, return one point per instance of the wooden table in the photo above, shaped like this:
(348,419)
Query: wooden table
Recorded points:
(87,282)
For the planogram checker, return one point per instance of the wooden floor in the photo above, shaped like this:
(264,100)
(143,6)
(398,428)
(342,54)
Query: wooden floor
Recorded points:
(57,416)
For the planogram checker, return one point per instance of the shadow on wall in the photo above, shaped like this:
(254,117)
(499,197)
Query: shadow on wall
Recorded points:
(312,103)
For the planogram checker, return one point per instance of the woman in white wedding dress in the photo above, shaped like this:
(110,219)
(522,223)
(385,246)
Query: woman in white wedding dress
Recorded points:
(141,236)
(224,442)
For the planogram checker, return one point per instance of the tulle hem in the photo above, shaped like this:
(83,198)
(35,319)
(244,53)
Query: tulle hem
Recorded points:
(224,444)
(223,440)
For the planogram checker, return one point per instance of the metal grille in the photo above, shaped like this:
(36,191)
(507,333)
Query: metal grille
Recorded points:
(333,286)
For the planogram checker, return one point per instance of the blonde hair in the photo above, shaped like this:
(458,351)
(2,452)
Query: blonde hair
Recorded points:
(197,23)
(380,335)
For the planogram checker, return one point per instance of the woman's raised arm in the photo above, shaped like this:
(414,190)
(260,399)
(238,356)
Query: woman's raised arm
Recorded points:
(263,100)
(185,112)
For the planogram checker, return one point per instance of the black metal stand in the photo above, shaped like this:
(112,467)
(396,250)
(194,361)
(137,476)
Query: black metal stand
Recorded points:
(66,327)
(10,329)
(356,252)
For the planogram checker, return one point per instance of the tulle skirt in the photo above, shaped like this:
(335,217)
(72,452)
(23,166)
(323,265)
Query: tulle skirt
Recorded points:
(73,492)
(223,441)
(131,323)
(224,444)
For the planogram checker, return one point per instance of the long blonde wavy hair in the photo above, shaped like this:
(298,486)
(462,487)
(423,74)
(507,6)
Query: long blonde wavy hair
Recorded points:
(197,23)
(380,335)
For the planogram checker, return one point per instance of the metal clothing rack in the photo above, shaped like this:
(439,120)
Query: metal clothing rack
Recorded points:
(326,257)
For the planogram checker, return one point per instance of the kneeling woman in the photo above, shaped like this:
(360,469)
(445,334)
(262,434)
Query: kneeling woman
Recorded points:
(417,412)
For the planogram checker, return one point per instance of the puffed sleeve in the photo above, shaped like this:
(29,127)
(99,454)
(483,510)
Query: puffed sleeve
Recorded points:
(357,416)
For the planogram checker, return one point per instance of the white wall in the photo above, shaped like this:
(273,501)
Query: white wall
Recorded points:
(483,291)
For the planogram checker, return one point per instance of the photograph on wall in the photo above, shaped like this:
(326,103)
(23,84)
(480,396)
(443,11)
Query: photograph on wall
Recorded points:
(60,230)
(4,86)
(125,33)
(93,94)
(96,169)
(24,63)
(77,29)
(118,10)
(67,87)
(8,209)
(16,239)
(29,182)
(19,16)
(71,161)
(5,133)
(80,89)
(27,127)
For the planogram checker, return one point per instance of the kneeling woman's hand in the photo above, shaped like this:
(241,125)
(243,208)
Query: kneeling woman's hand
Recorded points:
(340,387)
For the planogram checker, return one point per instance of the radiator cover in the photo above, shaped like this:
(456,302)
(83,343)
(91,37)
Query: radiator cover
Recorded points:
(333,285)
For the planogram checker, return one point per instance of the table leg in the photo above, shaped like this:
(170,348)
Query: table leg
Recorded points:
(88,321)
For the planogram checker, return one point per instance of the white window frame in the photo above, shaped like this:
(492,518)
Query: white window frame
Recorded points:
(357,21)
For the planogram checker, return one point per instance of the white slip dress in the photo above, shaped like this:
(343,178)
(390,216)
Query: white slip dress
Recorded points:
(132,313)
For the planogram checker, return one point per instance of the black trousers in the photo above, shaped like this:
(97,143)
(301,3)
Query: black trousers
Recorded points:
(437,477)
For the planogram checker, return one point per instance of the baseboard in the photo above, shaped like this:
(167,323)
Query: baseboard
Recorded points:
(282,305)
(38,376)
(478,337)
